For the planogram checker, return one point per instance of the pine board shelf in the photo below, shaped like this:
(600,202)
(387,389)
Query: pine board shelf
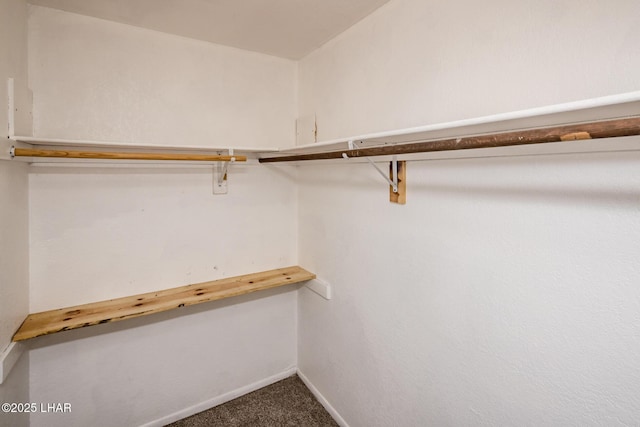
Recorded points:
(80,316)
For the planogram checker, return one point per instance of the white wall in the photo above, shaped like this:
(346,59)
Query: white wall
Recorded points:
(103,233)
(14,267)
(505,291)
(14,255)
(98,233)
(15,389)
(95,79)
(412,63)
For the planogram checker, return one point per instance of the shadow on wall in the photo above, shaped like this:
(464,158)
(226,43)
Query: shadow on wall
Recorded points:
(569,179)
(125,168)
(561,195)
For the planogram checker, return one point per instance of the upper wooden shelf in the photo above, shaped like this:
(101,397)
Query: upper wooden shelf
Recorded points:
(64,319)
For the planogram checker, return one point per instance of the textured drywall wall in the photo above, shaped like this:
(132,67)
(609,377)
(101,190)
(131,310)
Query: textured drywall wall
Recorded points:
(15,389)
(14,259)
(14,234)
(99,233)
(95,79)
(414,63)
(505,291)
(103,232)
(146,369)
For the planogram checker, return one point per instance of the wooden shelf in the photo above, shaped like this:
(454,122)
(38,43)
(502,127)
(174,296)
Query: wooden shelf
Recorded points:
(64,319)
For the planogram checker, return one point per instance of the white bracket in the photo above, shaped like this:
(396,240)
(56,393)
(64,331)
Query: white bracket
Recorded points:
(320,287)
(11,109)
(18,105)
(11,104)
(393,181)
(220,171)
(6,146)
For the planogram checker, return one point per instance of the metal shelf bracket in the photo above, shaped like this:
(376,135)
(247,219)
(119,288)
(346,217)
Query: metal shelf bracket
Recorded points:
(220,171)
(393,181)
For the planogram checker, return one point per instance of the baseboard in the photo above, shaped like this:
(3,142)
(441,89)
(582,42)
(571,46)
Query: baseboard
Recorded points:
(219,400)
(330,409)
(8,359)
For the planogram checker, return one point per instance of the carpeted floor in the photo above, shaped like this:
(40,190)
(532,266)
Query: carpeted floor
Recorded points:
(285,403)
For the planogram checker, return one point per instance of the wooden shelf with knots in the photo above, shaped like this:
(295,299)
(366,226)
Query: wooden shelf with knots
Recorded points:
(114,310)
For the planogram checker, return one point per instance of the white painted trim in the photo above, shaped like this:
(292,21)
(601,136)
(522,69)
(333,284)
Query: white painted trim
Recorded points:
(601,108)
(330,409)
(9,358)
(133,145)
(219,400)
(556,109)
(122,164)
(320,287)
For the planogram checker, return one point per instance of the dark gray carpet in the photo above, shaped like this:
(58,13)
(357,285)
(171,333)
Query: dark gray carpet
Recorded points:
(285,403)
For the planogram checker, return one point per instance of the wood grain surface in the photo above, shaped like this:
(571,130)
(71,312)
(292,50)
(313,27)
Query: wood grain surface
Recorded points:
(80,316)
(109,155)
(593,130)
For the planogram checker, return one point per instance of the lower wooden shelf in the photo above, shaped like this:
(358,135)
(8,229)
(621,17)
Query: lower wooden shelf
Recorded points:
(64,319)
